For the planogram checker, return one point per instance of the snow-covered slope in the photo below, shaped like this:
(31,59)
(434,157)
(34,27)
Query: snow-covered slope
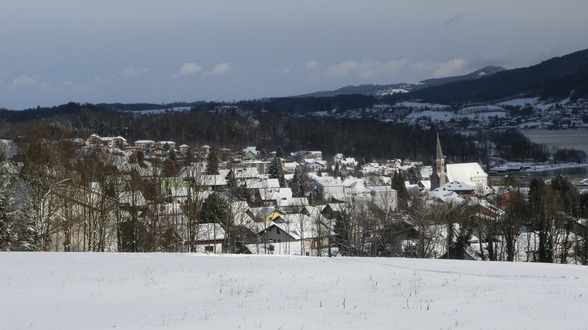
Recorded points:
(187,291)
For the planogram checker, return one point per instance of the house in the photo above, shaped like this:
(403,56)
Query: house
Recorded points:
(384,197)
(312,230)
(184,149)
(314,165)
(144,145)
(173,187)
(205,149)
(262,183)
(79,219)
(213,182)
(460,188)
(328,188)
(193,171)
(290,234)
(166,145)
(316,155)
(250,153)
(293,205)
(209,238)
(111,142)
(169,222)
(271,196)
(290,167)
(241,175)
(132,199)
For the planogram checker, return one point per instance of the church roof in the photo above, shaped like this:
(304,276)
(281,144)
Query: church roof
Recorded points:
(439,153)
(465,172)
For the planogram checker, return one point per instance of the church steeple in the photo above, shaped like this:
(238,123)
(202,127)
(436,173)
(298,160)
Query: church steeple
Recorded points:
(439,154)
(438,178)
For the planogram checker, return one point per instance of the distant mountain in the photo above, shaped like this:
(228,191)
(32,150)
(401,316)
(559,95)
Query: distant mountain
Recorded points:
(401,88)
(484,72)
(556,78)
(368,89)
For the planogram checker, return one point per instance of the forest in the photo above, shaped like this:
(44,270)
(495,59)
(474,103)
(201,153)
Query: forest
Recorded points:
(270,129)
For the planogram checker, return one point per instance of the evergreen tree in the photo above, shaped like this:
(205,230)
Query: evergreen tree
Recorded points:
(212,163)
(582,246)
(283,182)
(297,184)
(400,187)
(214,209)
(6,234)
(275,169)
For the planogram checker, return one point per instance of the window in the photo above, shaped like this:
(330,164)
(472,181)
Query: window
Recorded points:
(209,248)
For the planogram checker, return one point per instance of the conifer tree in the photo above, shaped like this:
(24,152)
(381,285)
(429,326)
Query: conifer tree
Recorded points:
(214,209)
(399,185)
(297,184)
(212,163)
(6,233)
(275,169)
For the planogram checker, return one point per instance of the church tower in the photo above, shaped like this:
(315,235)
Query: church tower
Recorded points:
(439,177)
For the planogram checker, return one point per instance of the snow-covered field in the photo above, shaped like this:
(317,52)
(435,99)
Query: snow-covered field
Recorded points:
(189,291)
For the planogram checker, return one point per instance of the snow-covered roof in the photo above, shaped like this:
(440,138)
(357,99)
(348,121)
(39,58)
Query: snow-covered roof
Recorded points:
(456,186)
(275,193)
(134,198)
(465,172)
(327,181)
(294,201)
(260,183)
(246,173)
(210,180)
(209,232)
(169,209)
(252,150)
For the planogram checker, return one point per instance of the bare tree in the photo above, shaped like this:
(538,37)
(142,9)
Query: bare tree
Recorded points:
(46,167)
(426,219)
(515,208)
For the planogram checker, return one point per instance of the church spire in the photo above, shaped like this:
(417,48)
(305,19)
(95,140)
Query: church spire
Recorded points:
(439,154)
(438,178)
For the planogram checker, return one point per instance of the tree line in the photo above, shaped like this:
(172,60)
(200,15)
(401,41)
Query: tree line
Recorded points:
(366,139)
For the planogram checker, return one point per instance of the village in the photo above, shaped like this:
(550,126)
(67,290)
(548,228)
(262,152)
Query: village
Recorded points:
(158,196)
(524,113)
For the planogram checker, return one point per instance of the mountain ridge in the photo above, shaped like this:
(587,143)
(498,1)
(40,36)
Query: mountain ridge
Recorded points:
(556,78)
(400,88)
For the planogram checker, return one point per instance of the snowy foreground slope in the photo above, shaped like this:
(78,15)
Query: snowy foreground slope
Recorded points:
(188,291)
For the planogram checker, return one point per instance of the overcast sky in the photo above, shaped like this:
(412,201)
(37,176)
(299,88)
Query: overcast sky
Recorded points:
(56,51)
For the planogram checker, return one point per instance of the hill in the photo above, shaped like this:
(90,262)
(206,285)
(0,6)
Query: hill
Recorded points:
(556,78)
(367,89)
(484,72)
(401,88)
(189,291)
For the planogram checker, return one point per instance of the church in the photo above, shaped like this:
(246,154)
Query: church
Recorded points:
(470,174)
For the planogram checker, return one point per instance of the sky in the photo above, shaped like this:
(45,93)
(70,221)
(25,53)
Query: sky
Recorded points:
(190,291)
(56,51)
